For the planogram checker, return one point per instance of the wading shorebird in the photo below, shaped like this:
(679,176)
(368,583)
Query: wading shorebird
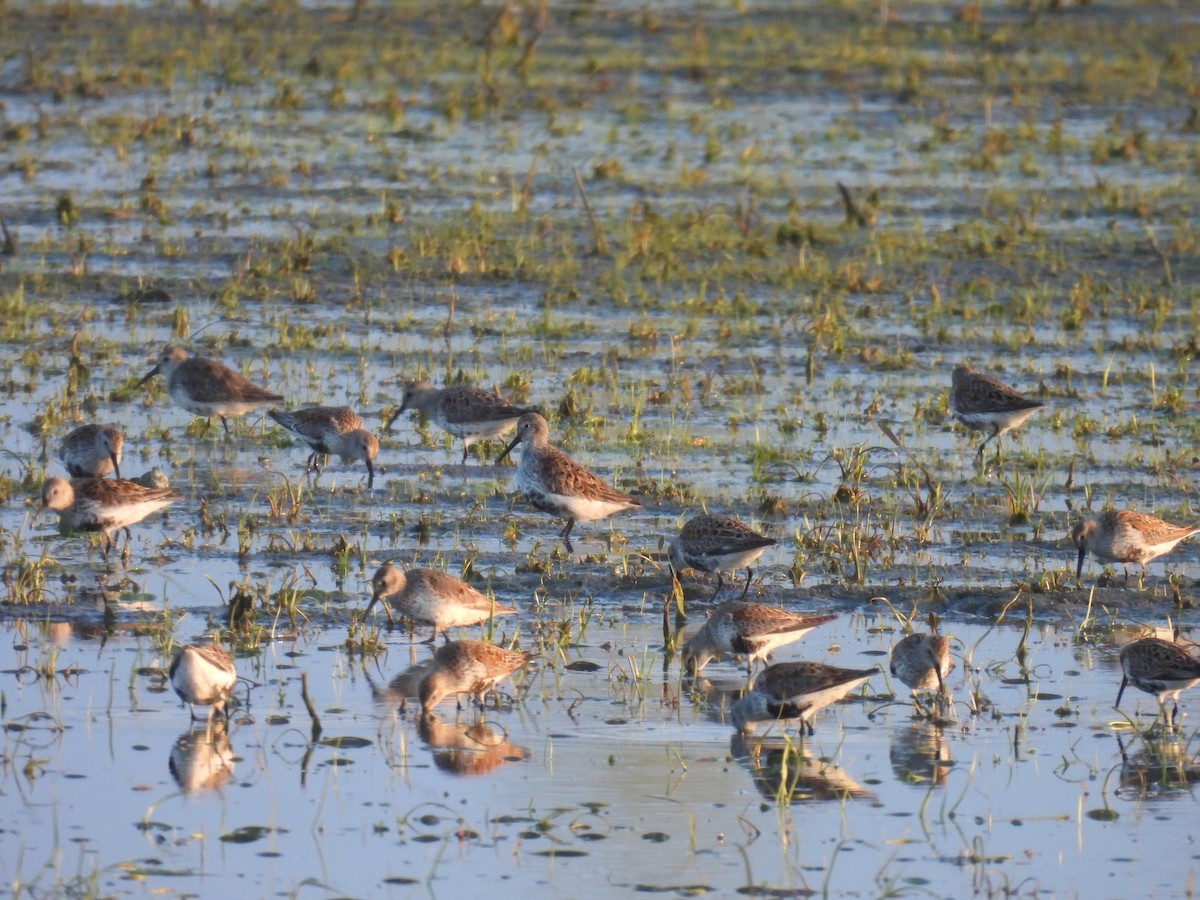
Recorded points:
(468,667)
(1161,668)
(206,388)
(203,675)
(984,403)
(102,504)
(1120,535)
(429,597)
(470,413)
(92,451)
(331,430)
(716,543)
(556,484)
(922,661)
(752,629)
(795,690)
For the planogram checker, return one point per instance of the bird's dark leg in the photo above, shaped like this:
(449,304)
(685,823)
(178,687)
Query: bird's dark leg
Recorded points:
(565,534)
(720,584)
(225,422)
(749,578)
(432,639)
(811,730)
(464,459)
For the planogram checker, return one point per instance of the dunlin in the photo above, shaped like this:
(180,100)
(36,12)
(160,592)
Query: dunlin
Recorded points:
(1161,668)
(922,661)
(468,667)
(336,430)
(556,484)
(470,413)
(795,690)
(92,451)
(203,675)
(983,403)
(1123,536)
(716,543)
(429,597)
(102,504)
(206,388)
(753,629)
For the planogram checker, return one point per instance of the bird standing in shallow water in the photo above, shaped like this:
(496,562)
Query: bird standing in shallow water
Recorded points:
(753,629)
(466,412)
(92,451)
(556,484)
(795,690)
(429,597)
(1124,536)
(327,430)
(716,543)
(1161,668)
(102,504)
(207,388)
(922,661)
(984,403)
(203,675)
(468,667)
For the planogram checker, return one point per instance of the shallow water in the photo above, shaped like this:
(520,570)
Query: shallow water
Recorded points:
(738,349)
(605,781)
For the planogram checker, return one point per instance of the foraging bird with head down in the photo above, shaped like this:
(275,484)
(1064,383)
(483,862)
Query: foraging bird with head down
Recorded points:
(466,412)
(468,667)
(715,544)
(795,690)
(984,403)
(203,675)
(331,430)
(753,629)
(1160,668)
(1125,536)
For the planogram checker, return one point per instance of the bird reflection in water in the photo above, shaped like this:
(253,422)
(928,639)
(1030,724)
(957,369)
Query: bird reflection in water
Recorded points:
(920,754)
(202,759)
(1162,768)
(467,749)
(782,772)
(402,689)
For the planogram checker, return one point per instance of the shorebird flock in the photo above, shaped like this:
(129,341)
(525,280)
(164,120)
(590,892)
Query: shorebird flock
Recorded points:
(551,481)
